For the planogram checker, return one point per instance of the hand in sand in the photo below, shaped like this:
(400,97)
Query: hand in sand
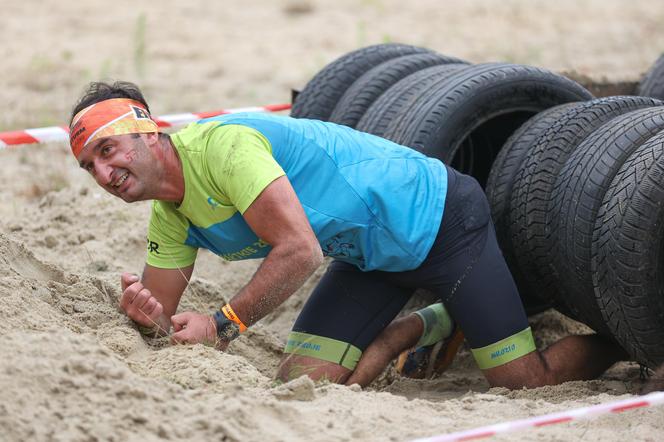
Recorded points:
(138,303)
(194,328)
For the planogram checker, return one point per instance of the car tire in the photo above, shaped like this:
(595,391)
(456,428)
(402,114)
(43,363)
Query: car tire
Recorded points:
(533,184)
(576,199)
(366,89)
(652,84)
(465,119)
(322,93)
(627,260)
(382,113)
(500,186)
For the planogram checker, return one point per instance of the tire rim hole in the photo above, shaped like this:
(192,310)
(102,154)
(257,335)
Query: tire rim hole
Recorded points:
(476,153)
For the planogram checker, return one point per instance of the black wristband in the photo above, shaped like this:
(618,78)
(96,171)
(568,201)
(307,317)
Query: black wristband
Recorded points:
(227,330)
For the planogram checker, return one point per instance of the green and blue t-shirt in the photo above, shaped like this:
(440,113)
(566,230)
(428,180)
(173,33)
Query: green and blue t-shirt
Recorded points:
(370,202)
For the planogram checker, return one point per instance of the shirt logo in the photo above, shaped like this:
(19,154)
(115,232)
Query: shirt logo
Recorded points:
(336,247)
(153,247)
(213,204)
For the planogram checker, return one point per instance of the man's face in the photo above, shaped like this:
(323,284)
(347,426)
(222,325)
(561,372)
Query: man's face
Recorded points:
(123,165)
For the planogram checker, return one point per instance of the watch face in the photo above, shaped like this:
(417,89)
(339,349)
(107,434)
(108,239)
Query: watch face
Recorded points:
(229,332)
(226,329)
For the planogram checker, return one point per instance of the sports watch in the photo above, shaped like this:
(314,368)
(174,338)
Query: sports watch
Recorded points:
(227,330)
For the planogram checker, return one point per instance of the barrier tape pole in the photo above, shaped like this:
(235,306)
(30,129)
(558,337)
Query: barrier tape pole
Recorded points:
(61,133)
(648,400)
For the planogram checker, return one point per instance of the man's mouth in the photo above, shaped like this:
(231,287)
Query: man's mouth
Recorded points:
(121,180)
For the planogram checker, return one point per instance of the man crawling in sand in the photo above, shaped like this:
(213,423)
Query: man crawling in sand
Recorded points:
(292,191)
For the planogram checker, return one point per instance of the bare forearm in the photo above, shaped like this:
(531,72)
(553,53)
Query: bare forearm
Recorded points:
(282,272)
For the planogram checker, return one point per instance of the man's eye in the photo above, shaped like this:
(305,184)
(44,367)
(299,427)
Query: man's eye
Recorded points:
(105,150)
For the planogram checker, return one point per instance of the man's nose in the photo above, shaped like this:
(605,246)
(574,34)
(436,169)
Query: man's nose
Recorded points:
(103,173)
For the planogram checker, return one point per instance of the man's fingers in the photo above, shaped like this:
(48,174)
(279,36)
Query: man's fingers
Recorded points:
(126,279)
(191,328)
(149,307)
(158,310)
(181,337)
(179,321)
(136,306)
(137,301)
(129,294)
(141,299)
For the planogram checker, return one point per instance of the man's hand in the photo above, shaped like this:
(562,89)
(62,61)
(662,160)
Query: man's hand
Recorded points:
(194,328)
(138,303)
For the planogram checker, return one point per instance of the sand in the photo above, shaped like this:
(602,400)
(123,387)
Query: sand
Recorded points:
(72,367)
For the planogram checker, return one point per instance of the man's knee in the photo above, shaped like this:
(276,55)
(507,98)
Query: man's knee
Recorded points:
(318,357)
(528,371)
(293,366)
(512,362)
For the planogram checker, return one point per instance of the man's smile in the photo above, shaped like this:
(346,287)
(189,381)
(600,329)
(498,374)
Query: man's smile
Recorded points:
(121,180)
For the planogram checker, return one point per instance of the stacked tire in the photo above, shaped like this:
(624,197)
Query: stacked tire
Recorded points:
(652,84)
(328,88)
(575,183)
(563,226)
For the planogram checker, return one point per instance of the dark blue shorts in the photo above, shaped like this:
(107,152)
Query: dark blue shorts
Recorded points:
(464,268)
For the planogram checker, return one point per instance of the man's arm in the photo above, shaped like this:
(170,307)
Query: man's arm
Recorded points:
(278,218)
(152,300)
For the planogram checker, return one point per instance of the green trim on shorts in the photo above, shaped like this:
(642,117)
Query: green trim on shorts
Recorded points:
(327,349)
(438,324)
(504,351)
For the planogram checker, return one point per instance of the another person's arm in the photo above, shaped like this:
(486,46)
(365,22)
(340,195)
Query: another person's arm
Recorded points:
(151,300)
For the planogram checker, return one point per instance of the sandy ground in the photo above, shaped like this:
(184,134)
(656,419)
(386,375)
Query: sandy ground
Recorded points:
(72,367)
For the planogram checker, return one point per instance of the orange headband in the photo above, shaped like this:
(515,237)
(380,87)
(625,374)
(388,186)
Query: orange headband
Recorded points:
(116,116)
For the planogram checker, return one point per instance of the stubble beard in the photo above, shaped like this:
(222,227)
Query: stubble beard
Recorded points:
(141,167)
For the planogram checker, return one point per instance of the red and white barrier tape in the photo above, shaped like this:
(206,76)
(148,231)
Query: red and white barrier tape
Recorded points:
(61,133)
(550,419)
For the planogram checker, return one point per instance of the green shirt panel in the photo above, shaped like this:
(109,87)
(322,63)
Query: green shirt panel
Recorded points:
(225,169)
(167,233)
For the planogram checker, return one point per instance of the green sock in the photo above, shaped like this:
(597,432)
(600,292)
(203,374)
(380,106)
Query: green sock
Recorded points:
(438,324)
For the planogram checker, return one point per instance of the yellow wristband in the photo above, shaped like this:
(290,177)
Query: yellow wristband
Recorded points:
(227,310)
